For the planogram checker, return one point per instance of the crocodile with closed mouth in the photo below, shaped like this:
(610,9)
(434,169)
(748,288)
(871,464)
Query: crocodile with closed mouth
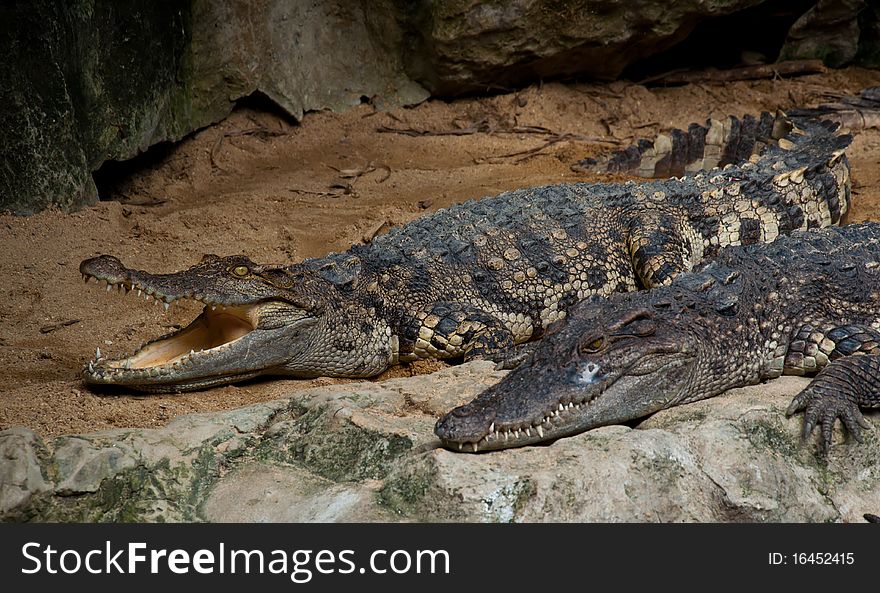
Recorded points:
(806,303)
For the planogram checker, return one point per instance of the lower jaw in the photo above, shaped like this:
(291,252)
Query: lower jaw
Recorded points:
(168,384)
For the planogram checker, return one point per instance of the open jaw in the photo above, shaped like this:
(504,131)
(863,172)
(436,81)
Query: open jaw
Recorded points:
(541,405)
(222,345)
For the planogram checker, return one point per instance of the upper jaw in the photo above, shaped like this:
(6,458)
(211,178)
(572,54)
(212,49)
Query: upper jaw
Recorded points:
(500,434)
(164,288)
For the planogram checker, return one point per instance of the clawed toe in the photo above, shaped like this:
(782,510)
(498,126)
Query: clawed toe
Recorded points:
(825,409)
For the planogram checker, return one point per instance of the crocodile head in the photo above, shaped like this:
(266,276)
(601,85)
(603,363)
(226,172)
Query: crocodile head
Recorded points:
(608,363)
(257,319)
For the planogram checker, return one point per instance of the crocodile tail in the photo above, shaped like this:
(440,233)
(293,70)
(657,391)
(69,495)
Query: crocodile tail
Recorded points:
(855,112)
(734,140)
(700,147)
(815,149)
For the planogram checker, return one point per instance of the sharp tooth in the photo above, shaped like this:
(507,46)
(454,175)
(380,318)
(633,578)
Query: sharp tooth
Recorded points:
(140,293)
(560,407)
(474,446)
(528,432)
(492,427)
(167,305)
(91,367)
(540,431)
(506,435)
(109,287)
(460,445)
(97,354)
(213,307)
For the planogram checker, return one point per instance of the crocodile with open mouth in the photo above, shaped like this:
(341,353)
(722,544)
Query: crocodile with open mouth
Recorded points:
(479,279)
(800,305)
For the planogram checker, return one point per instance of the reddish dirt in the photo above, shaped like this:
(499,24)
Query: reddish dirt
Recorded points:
(258,185)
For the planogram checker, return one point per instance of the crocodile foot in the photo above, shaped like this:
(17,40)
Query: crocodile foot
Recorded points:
(836,393)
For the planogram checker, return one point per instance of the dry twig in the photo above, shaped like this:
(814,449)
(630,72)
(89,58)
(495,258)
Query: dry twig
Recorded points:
(260,132)
(781,69)
(555,139)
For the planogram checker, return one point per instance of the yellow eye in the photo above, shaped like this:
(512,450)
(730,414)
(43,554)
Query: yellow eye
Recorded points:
(240,271)
(595,345)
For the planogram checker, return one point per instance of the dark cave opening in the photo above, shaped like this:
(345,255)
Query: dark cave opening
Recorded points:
(113,178)
(754,34)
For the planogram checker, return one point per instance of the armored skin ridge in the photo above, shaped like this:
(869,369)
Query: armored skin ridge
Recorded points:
(800,305)
(479,279)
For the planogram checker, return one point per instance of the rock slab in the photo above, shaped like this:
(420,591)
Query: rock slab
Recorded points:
(366,452)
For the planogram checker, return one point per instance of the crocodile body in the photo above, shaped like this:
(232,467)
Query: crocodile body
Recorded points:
(800,305)
(480,278)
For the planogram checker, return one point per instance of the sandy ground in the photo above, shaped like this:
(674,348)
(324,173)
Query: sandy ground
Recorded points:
(280,192)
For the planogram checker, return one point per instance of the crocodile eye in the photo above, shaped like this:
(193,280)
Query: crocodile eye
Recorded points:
(240,271)
(593,346)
